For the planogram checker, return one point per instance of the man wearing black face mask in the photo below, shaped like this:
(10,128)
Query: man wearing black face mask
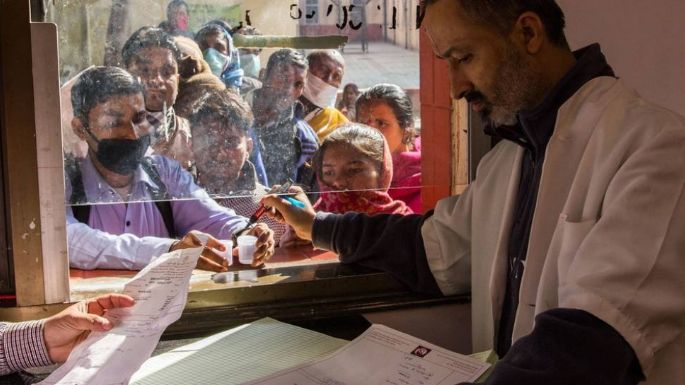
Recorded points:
(140,222)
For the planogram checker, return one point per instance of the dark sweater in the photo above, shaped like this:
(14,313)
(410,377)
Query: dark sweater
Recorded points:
(567,346)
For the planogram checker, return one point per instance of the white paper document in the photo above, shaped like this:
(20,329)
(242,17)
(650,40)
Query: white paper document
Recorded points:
(383,356)
(160,291)
(238,355)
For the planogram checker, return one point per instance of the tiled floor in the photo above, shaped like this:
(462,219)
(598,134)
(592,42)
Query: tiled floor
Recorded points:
(384,63)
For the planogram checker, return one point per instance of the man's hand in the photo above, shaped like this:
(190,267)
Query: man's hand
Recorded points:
(209,260)
(265,243)
(301,220)
(66,329)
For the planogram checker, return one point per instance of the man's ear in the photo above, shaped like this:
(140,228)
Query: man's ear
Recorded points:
(77,127)
(250,144)
(530,32)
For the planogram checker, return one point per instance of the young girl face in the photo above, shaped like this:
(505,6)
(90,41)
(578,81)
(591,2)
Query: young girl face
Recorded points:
(381,116)
(345,168)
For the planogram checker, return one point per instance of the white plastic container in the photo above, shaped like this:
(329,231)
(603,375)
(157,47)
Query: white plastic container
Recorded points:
(228,254)
(247,245)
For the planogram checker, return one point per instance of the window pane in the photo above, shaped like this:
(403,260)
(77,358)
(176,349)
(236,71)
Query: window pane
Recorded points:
(196,118)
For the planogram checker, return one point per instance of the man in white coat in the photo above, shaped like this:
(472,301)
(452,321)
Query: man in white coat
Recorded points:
(571,238)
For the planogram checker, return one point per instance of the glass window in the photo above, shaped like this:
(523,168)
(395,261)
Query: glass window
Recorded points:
(312,12)
(205,105)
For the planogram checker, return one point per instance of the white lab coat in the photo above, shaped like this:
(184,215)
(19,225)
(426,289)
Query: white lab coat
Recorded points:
(608,234)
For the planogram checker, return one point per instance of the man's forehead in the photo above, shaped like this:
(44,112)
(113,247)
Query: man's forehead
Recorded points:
(449,28)
(150,55)
(218,127)
(119,105)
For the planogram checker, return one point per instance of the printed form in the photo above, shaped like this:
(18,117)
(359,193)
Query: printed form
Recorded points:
(160,291)
(383,356)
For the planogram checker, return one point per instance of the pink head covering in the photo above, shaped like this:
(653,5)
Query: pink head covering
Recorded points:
(369,201)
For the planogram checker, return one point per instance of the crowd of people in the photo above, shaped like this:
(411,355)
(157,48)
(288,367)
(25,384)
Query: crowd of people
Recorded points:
(191,132)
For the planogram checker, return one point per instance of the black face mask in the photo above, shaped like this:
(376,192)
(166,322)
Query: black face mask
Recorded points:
(121,156)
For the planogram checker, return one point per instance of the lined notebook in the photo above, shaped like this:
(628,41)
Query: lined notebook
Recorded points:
(238,355)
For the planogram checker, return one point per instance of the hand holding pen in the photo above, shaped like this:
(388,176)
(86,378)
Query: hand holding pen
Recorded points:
(299,215)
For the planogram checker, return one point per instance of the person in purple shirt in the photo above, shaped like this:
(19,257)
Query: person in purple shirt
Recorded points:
(125,208)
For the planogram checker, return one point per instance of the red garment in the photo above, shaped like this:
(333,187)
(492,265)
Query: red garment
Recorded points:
(367,201)
(406,181)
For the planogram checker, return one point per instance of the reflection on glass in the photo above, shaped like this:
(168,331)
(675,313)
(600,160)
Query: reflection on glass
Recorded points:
(186,130)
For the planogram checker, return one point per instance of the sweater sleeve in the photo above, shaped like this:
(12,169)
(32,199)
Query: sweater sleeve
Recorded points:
(568,347)
(22,346)
(390,243)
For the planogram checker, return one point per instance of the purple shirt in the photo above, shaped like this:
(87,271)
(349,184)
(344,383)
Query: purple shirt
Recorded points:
(127,235)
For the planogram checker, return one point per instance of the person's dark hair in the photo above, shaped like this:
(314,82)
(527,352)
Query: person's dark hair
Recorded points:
(367,140)
(226,107)
(212,27)
(395,97)
(99,84)
(351,85)
(502,14)
(147,37)
(173,6)
(316,56)
(285,57)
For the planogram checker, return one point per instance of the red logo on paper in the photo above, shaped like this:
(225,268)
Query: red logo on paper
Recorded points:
(421,351)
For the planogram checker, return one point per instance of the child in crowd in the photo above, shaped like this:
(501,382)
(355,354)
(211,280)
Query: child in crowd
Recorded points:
(387,108)
(347,102)
(220,122)
(354,169)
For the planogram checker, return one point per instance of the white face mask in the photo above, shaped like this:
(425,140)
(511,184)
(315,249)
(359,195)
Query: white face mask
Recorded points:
(250,64)
(319,92)
(217,61)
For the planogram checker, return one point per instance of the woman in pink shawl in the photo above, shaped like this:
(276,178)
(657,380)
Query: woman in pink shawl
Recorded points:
(354,170)
(387,108)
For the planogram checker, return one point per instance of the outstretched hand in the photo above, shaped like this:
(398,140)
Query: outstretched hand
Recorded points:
(209,259)
(66,329)
(301,220)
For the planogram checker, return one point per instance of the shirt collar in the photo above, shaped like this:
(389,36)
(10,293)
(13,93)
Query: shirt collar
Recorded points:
(97,189)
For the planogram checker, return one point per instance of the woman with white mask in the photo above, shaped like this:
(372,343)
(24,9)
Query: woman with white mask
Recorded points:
(326,70)
(250,63)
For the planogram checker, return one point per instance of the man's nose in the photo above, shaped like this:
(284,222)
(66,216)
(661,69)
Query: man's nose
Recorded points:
(136,130)
(460,85)
(154,78)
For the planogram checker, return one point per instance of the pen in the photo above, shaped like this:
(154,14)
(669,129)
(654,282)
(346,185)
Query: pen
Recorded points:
(262,209)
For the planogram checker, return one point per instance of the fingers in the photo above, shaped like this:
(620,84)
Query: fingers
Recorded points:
(205,263)
(99,304)
(90,322)
(265,243)
(300,195)
(196,238)
(214,243)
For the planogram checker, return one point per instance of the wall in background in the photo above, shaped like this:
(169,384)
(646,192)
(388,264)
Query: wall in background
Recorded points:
(642,41)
